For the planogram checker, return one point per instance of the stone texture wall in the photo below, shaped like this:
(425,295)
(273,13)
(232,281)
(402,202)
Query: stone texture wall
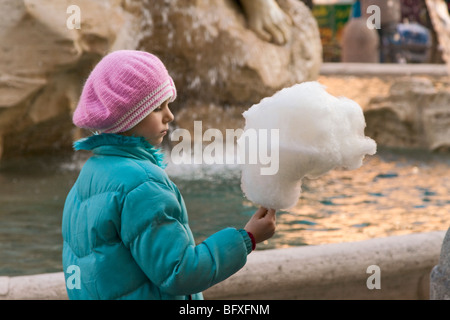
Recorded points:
(43,65)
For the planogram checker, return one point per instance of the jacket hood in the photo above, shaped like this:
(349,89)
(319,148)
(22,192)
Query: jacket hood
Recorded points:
(120,145)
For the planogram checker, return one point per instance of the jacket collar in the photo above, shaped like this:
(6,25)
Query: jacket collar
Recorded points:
(120,145)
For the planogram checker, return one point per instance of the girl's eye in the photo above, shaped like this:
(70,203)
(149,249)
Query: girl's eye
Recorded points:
(162,106)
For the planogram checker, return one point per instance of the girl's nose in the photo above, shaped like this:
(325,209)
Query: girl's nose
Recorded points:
(168,116)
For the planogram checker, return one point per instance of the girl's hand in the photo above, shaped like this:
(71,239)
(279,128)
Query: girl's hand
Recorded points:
(262,224)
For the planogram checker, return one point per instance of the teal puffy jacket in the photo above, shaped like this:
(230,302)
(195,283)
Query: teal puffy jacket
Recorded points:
(125,229)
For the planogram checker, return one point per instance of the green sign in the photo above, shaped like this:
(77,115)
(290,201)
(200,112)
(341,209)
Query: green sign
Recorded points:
(331,19)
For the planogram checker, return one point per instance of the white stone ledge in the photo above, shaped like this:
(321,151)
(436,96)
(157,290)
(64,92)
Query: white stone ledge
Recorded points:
(337,271)
(380,69)
(331,271)
(47,286)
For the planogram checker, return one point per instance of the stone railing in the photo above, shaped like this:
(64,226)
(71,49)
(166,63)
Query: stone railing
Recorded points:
(395,267)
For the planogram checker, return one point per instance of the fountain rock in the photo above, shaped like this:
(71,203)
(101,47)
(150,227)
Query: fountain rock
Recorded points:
(44,62)
(214,58)
(414,114)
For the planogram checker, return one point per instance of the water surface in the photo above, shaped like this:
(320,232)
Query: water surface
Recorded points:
(395,192)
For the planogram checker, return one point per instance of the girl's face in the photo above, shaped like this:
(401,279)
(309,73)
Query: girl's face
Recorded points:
(155,126)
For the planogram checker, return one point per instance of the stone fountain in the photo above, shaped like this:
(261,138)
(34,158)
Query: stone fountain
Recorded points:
(48,48)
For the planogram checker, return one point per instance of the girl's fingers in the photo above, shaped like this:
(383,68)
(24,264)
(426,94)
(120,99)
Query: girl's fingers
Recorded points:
(261,212)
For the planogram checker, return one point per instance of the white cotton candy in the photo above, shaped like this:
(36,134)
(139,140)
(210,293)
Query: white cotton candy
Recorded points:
(317,133)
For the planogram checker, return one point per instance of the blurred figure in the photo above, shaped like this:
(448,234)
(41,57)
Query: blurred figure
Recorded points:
(394,41)
(410,44)
(390,17)
(417,11)
(359,43)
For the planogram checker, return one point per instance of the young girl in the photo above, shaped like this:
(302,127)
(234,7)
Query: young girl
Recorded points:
(125,225)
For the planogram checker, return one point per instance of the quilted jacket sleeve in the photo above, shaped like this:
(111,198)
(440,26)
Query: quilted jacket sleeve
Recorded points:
(154,227)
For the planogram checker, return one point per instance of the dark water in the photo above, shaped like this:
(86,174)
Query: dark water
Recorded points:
(31,202)
(331,208)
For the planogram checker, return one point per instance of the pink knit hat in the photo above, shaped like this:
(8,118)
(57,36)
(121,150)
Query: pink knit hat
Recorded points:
(123,89)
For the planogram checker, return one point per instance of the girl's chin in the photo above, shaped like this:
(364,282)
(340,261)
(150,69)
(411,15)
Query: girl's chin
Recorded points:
(155,142)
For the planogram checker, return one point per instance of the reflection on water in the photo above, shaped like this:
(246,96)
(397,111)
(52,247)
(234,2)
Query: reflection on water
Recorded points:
(393,193)
(390,195)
